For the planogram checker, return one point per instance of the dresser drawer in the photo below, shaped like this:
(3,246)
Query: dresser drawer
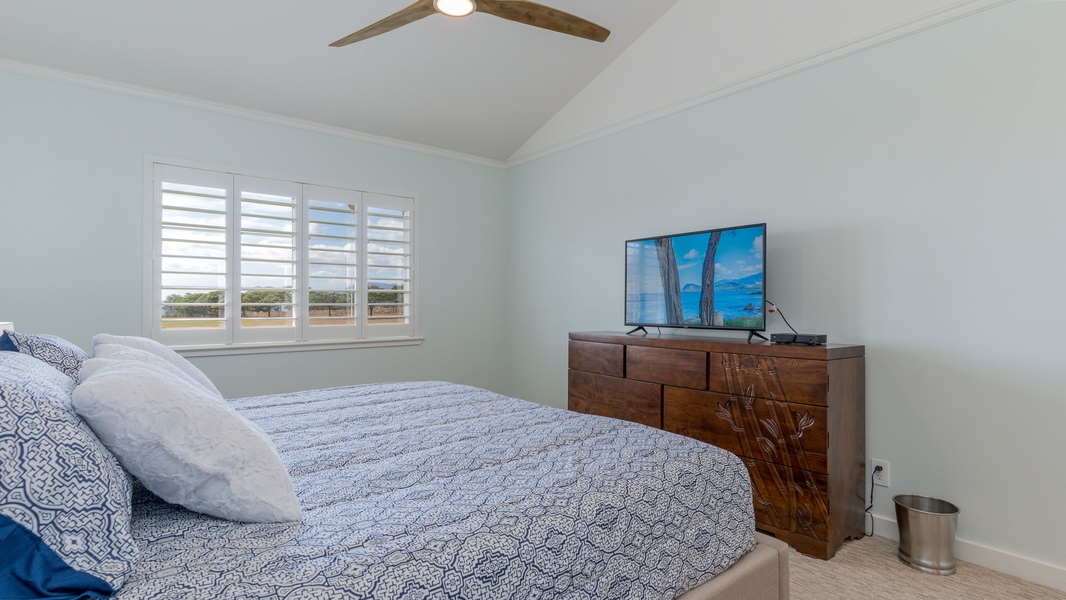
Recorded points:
(791,435)
(792,379)
(605,359)
(681,368)
(790,499)
(634,401)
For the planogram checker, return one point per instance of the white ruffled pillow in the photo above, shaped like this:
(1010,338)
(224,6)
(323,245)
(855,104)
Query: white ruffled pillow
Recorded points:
(120,352)
(185,444)
(153,347)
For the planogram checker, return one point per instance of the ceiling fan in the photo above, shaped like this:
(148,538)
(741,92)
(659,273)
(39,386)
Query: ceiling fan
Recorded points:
(522,11)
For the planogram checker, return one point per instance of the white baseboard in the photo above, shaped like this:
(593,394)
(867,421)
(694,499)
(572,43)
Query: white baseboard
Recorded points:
(1052,576)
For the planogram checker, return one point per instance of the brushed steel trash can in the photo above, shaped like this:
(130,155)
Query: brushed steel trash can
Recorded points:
(926,533)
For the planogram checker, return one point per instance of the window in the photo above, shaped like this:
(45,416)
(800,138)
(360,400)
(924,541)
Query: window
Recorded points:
(245,262)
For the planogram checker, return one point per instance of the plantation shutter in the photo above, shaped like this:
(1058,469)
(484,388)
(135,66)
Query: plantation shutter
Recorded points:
(268,241)
(389,269)
(191,255)
(333,217)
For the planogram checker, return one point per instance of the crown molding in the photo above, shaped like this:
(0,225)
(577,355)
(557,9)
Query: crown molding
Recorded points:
(917,24)
(116,87)
(929,20)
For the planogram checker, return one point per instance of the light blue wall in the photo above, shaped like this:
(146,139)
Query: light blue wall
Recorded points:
(914,195)
(70,229)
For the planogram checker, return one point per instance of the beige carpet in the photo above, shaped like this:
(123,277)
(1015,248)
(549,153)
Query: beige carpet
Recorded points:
(869,568)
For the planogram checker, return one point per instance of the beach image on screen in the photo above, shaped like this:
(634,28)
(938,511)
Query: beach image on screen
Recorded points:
(705,279)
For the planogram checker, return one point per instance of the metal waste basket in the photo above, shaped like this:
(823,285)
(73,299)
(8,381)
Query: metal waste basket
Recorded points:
(927,533)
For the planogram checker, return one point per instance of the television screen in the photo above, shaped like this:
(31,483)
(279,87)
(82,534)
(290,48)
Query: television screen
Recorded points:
(708,279)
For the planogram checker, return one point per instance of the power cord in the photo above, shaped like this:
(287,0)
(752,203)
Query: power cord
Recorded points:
(877,470)
(773,309)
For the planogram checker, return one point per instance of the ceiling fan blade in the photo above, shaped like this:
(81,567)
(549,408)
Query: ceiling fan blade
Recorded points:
(545,17)
(418,10)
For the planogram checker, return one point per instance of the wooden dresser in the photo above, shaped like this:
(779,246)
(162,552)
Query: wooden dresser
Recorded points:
(794,414)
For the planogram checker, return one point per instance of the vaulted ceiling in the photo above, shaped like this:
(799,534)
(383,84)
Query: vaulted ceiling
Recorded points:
(479,86)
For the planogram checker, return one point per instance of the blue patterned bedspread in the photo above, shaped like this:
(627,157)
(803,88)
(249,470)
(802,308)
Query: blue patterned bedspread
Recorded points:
(435,490)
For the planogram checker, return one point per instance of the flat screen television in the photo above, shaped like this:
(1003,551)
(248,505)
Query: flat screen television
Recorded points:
(710,279)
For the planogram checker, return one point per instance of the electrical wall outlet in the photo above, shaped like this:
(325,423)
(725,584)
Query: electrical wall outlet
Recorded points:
(879,477)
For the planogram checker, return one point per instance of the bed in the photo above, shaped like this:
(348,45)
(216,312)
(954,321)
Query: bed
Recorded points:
(438,490)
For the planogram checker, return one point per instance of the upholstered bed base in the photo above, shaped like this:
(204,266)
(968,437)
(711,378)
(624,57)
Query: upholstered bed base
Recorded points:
(761,574)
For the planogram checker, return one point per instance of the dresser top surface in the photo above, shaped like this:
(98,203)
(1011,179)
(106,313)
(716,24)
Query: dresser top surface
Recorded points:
(719,344)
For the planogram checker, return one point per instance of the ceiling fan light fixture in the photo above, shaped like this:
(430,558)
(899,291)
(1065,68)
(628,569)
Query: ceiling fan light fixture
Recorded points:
(526,12)
(455,8)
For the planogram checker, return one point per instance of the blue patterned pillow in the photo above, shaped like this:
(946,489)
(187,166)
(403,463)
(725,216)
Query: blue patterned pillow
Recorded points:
(52,349)
(65,498)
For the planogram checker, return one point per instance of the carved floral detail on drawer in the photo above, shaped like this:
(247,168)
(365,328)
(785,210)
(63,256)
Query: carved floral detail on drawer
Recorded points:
(788,491)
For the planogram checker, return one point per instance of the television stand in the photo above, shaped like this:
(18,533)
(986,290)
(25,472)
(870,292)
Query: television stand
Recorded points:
(753,333)
(636,329)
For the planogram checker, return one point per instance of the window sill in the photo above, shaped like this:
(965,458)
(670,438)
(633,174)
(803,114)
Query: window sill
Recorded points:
(270,348)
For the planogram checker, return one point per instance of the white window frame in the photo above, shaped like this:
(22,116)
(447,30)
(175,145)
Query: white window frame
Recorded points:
(228,340)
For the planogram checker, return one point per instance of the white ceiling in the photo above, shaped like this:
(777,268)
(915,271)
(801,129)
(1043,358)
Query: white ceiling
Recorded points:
(478,85)
(481,87)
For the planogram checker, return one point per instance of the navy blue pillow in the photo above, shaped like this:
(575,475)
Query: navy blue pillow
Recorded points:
(7,344)
(33,570)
